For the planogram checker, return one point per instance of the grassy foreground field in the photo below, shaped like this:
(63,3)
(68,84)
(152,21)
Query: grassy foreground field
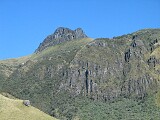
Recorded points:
(13,109)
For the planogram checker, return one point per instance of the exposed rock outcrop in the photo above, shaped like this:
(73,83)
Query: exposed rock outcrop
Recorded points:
(60,35)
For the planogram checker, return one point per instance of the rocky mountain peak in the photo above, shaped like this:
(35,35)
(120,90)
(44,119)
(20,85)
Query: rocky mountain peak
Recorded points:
(60,35)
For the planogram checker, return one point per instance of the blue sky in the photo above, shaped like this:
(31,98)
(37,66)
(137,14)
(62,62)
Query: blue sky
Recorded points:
(25,23)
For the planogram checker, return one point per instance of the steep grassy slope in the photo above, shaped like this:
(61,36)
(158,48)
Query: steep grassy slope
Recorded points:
(41,74)
(103,72)
(13,109)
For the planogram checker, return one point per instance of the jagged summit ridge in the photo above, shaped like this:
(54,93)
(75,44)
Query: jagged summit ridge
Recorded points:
(60,35)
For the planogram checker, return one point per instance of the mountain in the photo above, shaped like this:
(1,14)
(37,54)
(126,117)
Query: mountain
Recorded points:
(71,77)
(14,109)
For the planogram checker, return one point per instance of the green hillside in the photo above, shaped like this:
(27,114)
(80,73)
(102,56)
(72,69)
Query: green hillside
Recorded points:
(14,109)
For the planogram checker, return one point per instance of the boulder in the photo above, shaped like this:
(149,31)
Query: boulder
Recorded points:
(26,103)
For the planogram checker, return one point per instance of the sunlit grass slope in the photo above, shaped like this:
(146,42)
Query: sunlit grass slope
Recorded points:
(64,49)
(13,109)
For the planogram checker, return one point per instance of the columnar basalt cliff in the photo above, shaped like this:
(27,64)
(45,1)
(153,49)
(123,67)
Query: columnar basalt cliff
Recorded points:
(107,69)
(67,65)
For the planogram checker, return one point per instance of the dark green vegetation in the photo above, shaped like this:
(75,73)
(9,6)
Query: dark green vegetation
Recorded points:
(123,109)
(90,79)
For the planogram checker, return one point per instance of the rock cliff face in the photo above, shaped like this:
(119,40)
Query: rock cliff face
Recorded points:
(109,68)
(103,69)
(60,35)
